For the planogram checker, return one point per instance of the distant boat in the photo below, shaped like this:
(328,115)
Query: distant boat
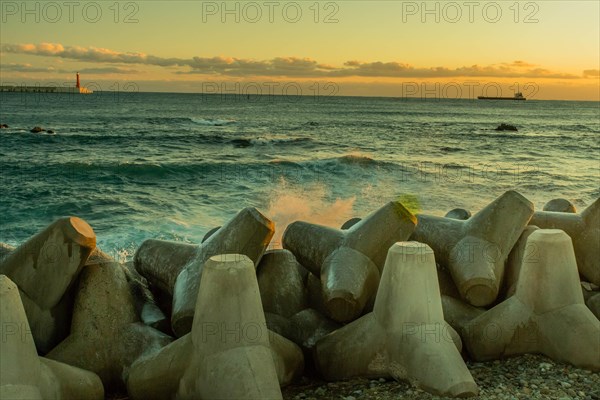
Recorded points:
(517,96)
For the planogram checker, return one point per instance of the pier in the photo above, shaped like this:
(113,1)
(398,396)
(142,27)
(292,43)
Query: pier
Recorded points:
(78,89)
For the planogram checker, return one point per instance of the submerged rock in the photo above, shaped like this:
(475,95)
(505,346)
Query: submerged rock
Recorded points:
(507,127)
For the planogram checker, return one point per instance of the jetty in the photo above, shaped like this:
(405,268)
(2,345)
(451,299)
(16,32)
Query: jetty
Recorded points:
(77,89)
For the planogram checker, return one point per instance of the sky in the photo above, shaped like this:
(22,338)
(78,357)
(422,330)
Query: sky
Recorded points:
(545,49)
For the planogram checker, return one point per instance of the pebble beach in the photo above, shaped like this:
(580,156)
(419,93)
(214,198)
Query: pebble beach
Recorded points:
(523,377)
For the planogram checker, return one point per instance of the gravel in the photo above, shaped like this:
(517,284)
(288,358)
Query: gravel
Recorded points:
(523,377)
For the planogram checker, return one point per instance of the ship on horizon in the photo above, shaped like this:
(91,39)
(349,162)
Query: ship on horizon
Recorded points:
(517,96)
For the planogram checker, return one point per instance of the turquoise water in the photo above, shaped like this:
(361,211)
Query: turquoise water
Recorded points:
(144,165)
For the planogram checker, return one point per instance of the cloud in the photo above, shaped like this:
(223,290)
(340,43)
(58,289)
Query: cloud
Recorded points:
(520,64)
(12,67)
(28,68)
(293,67)
(109,70)
(591,73)
(401,70)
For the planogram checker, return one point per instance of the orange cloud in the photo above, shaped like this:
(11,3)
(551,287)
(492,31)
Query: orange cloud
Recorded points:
(293,67)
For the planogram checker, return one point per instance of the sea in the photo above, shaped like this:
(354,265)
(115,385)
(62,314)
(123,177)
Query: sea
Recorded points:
(172,166)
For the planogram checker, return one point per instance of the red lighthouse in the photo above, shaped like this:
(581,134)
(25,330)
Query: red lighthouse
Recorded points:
(77,86)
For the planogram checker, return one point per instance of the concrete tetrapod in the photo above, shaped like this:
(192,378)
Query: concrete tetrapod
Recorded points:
(591,296)
(560,205)
(145,304)
(584,229)
(310,326)
(106,333)
(281,286)
(475,250)
(349,262)
(227,354)
(24,375)
(287,358)
(44,268)
(593,304)
(545,315)
(177,268)
(521,250)
(458,213)
(5,249)
(405,336)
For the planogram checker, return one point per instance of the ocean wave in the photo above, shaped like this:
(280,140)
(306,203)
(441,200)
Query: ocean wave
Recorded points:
(449,149)
(265,141)
(167,120)
(213,122)
(347,163)
(14,130)
(570,128)
(357,159)
(188,120)
(285,163)
(149,171)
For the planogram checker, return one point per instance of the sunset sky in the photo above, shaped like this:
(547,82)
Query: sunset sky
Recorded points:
(377,48)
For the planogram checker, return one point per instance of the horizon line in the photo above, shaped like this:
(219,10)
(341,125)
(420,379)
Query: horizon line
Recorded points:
(292,96)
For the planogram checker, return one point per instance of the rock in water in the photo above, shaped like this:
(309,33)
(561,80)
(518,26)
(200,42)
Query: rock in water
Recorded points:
(44,268)
(37,129)
(24,375)
(507,127)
